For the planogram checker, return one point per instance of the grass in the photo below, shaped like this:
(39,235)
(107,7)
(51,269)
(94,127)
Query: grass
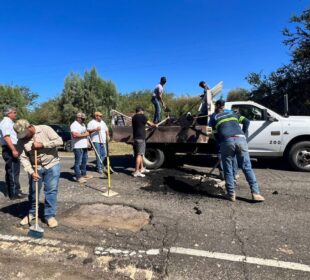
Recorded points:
(116,149)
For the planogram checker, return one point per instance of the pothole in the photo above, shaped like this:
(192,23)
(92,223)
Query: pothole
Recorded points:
(108,216)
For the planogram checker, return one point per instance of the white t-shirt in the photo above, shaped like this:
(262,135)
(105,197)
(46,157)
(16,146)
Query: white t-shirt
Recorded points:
(79,143)
(6,129)
(95,136)
(159,89)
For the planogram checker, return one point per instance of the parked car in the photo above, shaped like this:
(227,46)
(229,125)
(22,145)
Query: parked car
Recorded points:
(64,132)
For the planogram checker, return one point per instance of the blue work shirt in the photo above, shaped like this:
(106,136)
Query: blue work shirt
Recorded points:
(226,124)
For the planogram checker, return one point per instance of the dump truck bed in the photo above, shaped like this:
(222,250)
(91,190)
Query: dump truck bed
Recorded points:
(165,134)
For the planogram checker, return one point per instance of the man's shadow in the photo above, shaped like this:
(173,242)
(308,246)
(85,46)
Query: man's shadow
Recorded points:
(119,163)
(20,209)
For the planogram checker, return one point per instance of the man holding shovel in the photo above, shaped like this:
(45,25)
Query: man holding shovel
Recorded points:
(37,146)
(99,135)
(157,98)
(233,145)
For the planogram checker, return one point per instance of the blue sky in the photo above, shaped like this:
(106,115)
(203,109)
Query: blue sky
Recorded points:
(134,42)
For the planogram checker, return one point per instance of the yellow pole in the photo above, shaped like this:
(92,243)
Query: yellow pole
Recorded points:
(108,163)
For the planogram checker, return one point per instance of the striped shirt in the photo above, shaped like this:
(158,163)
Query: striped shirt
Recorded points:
(226,124)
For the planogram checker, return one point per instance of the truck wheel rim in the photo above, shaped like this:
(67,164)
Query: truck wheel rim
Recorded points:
(303,158)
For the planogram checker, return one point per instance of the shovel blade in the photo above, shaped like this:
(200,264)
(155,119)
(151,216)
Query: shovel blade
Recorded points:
(36,231)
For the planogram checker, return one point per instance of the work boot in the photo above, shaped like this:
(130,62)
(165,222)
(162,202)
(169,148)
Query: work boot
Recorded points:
(86,177)
(81,180)
(19,195)
(26,220)
(231,197)
(257,197)
(52,222)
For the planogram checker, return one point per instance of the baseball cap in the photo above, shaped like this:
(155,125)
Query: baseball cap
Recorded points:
(220,103)
(97,114)
(21,128)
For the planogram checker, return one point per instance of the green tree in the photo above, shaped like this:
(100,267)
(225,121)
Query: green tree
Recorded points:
(46,113)
(238,94)
(298,39)
(20,97)
(71,100)
(88,94)
(293,78)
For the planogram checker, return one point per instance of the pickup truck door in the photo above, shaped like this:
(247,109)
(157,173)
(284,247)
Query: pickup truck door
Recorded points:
(265,134)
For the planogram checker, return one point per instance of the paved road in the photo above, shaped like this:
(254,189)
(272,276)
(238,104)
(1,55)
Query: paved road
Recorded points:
(189,231)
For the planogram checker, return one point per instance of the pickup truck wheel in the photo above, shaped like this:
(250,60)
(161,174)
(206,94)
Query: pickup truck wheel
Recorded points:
(299,156)
(153,158)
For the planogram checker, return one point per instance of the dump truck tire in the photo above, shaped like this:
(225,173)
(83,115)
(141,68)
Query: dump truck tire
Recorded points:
(154,158)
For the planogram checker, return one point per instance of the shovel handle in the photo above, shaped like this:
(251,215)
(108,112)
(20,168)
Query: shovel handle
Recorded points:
(37,186)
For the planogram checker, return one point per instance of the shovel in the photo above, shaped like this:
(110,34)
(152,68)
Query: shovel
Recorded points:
(36,231)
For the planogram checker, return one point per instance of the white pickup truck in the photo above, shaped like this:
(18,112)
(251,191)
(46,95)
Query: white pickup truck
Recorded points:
(272,135)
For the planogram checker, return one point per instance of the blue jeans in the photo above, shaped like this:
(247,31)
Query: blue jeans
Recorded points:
(80,161)
(12,169)
(50,178)
(237,147)
(101,150)
(155,101)
(221,168)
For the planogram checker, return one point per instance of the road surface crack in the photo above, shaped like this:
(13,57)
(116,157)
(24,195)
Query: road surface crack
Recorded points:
(242,244)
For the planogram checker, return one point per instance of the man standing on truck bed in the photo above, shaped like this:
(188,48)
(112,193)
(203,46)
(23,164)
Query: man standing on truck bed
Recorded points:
(233,144)
(203,110)
(139,121)
(157,98)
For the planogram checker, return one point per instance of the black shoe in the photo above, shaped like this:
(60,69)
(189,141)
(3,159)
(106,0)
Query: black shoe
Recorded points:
(19,195)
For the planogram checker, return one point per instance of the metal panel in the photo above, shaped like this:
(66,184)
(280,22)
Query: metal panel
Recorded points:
(165,134)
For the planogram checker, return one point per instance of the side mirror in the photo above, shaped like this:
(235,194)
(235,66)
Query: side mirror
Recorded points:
(267,117)
(271,119)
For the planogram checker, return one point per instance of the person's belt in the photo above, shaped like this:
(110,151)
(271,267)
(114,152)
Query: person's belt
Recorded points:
(236,136)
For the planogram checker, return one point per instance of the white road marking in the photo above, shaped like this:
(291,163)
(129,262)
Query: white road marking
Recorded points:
(240,258)
(173,250)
